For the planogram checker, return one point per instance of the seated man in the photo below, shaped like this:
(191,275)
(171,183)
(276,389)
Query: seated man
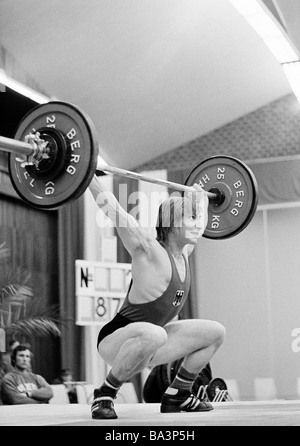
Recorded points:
(66,378)
(21,386)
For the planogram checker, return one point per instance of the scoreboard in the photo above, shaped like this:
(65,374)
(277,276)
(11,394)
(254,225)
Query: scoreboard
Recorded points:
(101,288)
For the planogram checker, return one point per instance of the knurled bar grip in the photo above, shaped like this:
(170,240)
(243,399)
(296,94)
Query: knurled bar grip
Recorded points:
(149,179)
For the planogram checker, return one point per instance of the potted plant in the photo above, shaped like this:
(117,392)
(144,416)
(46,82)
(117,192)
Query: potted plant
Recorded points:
(20,312)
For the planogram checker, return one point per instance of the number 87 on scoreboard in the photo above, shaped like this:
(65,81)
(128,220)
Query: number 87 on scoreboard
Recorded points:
(100,290)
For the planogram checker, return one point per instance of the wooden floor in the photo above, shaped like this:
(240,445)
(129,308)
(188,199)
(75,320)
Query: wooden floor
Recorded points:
(274,413)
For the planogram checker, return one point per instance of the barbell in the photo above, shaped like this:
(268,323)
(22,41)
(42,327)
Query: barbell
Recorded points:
(54,156)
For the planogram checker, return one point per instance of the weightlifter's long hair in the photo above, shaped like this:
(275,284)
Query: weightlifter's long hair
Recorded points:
(170,214)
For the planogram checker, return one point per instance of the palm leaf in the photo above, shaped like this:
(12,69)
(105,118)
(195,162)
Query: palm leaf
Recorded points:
(4,252)
(20,311)
(39,326)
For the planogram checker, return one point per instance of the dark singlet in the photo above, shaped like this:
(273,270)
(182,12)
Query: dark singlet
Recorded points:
(159,311)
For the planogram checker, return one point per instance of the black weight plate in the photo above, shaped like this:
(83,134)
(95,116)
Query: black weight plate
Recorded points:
(82,143)
(238,185)
(215,386)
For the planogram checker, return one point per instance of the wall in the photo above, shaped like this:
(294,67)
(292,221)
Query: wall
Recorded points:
(284,255)
(251,284)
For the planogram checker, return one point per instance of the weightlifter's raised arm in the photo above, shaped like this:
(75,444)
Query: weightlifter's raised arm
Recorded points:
(129,230)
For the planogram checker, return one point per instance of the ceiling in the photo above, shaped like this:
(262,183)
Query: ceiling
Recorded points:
(151,74)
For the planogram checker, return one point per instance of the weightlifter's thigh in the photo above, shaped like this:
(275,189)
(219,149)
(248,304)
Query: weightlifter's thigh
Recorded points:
(130,339)
(186,337)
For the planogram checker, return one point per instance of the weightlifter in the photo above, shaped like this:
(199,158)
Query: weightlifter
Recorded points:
(144,332)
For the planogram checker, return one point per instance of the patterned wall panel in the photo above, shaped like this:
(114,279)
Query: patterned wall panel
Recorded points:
(271,131)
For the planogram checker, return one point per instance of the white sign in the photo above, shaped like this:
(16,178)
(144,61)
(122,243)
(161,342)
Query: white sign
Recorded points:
(100,290)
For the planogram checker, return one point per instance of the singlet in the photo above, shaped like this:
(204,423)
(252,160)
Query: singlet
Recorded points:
(166,307)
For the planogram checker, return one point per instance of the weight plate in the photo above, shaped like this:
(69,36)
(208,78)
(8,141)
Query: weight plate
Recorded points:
(238,186)
(215,386)
(75,171)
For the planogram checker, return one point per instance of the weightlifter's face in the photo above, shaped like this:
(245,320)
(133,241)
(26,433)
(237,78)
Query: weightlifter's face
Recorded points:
(193,221)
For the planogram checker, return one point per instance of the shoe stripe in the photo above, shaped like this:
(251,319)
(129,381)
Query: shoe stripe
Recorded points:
(183,380)
(98,400)
(108,384)
(187,401)
(101,398)
(190,403)
(195,404)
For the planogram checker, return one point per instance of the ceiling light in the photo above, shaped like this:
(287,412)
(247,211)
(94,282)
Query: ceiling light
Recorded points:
(275,37)
(292,72)
(268,28)
(247,7)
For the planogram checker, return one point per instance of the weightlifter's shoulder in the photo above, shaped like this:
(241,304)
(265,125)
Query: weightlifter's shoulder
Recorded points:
(150,248)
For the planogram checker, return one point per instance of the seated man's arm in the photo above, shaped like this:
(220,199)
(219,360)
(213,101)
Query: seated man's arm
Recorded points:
(44,392)
(11,395)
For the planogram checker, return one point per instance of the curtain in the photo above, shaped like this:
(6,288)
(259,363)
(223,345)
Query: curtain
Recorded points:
(70,248)
(278,179)
(30,235)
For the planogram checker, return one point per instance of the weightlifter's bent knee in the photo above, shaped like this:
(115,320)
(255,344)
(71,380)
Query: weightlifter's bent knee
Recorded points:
(152,337)
(220,334)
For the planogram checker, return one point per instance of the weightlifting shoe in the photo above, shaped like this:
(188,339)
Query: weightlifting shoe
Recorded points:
(187,403)
(103,407)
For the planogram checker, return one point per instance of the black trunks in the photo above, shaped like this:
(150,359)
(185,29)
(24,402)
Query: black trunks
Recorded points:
(117,322)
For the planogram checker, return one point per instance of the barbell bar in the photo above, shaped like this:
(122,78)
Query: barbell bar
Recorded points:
(54,156)
(17,147)
(138,176)
(39,151)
